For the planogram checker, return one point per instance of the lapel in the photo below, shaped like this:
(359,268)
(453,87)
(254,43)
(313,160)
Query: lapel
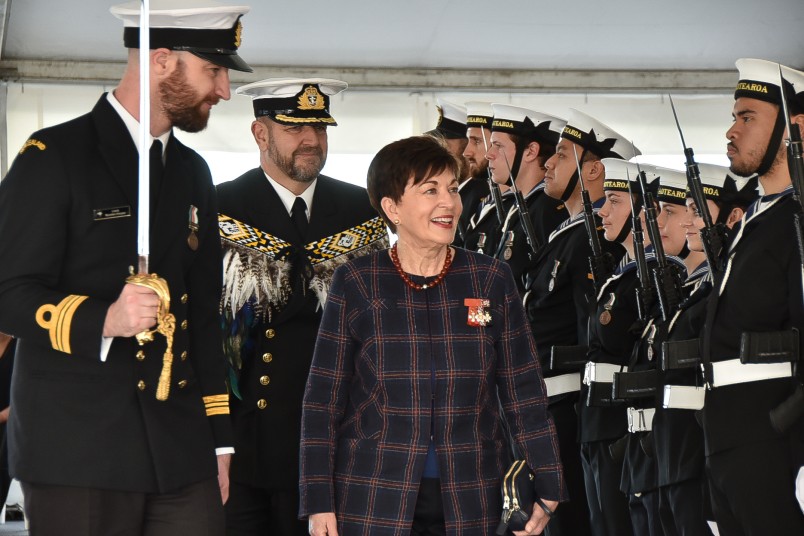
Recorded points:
(265,209)
(323,209)
(171,214)
(117,149)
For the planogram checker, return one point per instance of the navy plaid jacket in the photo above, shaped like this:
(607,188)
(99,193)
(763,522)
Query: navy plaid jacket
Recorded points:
(367,414)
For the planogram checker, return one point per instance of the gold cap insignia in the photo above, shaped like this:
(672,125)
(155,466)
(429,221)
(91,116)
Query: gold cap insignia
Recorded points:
(440,116)
(238,34)
(311,99)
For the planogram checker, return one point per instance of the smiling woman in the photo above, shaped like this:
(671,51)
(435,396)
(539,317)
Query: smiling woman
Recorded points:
(419,347)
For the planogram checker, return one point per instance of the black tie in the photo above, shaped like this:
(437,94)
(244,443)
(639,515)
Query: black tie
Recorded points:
(157,170)
(299,216)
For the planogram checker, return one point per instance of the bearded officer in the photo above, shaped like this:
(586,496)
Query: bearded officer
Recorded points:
(285,228)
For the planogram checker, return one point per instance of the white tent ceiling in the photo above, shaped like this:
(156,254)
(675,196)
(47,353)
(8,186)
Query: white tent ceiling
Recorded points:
(615,59)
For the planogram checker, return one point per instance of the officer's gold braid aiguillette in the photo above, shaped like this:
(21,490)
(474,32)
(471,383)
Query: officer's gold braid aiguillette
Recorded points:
(165,324)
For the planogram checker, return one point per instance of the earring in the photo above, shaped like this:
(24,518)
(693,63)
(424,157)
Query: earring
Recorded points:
(396,222)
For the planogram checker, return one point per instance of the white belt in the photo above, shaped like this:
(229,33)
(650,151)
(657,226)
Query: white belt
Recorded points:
(601,372)
(733,371)
(683,397)
(640,420)
(565,383)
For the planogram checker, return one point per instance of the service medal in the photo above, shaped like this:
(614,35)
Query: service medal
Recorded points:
(478,315)
(507,254)
(605,317)
(554,274)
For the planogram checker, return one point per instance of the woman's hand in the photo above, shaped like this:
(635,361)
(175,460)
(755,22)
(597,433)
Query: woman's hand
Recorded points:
(538,520)
(323,524)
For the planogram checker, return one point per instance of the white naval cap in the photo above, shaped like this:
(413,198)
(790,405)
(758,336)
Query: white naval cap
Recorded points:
(759,79)
(597,138)
(294,101)
(207,29)
(529,124)
(479,114)
(721,184)
(451,119)
(672,185)
(619,172)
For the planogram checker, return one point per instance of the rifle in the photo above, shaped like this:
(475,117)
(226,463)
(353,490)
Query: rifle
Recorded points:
(668,277)
(713,235)
(601,264)
(645,292)
(788,412)
(524,215)
(494,188)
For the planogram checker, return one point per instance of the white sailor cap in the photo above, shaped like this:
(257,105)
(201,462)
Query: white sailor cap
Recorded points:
(619,172)
(759,79)
(294,101)
(209,30)
(528,124)
(597,138)
(451,120)
(721,184)
(672,185)
(479,114)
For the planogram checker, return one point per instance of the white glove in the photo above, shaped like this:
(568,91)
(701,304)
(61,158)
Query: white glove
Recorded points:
(800,488)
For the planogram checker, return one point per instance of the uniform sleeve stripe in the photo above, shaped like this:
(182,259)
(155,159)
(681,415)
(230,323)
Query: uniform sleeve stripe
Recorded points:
(218,411)
(60,321)
(216,399)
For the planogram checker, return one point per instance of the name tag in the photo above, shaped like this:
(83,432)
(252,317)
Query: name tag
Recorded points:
(112,213)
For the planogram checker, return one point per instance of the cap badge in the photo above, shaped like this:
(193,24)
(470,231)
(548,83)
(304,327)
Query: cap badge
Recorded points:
(238,34)
(311,99)
(440,116)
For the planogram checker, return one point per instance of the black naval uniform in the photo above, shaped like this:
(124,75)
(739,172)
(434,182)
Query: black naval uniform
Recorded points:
(68,220)
(483,232)
(472,191)
(752,467)
(677,436)
(558,311)
(278,346)
(613,331)
(545,215)
(639,479)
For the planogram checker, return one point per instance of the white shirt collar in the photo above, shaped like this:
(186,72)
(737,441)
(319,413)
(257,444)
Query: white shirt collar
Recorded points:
(133,125)
(289,197)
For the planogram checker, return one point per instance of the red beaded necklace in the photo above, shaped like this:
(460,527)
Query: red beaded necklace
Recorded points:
(409,282)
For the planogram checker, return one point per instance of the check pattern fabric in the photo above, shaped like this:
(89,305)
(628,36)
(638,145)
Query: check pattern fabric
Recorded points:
(369,408)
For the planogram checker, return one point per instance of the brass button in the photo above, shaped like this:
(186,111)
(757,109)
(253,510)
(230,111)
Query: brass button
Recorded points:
(182,384)
(141,385)
(265,380)
(140,355)
(184,324)
(267,357)
(184,298)
(270,333)
(262,404)
(184,355)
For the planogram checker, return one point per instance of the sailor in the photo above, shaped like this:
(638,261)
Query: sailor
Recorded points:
(285,228)
(451,129)
(560,282)
(521,142)
(476,188)
(755,315)
(677,437)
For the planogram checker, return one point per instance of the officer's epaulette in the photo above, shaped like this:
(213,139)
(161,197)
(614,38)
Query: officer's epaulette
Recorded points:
(31,142)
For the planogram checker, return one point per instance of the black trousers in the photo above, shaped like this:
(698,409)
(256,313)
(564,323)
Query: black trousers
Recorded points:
(428,517)
(683,508)
(260,512)
(608,506)
(194,510)
(572,518)
(644,510)
(753,490)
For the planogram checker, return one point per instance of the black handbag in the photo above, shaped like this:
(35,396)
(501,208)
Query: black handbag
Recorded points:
(518,491)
